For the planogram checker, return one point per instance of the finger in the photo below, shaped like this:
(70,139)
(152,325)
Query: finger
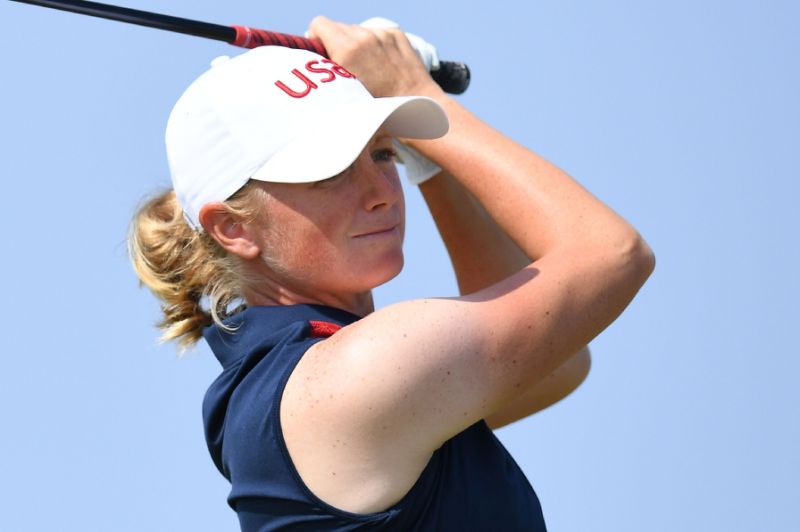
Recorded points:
(324,29)
(342,41)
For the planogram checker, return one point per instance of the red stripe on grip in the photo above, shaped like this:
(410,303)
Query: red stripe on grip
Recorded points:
(251,38)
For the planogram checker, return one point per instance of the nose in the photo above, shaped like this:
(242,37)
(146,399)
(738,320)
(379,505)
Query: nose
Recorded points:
(379,182)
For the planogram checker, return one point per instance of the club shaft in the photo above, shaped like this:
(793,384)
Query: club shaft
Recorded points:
(141,18)
(452,76)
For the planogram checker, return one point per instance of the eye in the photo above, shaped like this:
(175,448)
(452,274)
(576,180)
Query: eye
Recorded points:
(384,155)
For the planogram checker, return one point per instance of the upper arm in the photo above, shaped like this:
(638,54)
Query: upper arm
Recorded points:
(419,372)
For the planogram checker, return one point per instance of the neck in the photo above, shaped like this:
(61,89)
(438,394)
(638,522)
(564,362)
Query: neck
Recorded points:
(269,293)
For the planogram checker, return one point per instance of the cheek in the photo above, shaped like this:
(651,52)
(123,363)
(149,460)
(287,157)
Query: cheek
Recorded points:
(308,243)
(299,247)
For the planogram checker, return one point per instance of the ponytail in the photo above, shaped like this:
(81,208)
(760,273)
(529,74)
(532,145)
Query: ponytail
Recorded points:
(197,282)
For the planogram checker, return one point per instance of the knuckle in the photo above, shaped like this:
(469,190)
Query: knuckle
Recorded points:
(395,37)
(365,38)
(319,20)
(396,33)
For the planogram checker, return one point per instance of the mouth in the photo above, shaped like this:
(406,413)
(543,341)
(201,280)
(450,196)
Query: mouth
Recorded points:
(388,230)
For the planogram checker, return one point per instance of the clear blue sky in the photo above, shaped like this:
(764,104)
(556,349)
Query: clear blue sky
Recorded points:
(683,116)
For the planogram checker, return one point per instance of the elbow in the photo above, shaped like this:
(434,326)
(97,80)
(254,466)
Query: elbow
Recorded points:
(582,364)
(570,375)
(645,259)
(637,257)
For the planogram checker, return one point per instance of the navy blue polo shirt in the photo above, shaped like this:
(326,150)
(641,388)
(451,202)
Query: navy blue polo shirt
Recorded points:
(470,482)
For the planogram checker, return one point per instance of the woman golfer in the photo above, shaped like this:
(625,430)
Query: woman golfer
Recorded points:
(287,211)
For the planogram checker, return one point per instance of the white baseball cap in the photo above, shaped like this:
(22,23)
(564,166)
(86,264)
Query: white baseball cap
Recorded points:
(281,115)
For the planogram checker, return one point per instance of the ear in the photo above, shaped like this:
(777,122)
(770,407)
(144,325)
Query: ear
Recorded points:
(229,231)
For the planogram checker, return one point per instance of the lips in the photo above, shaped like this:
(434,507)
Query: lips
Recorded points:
(377,232)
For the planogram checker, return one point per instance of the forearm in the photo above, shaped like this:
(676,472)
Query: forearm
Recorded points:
(481,253)
(536,204)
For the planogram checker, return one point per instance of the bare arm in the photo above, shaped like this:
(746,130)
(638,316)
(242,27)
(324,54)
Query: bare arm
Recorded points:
(403,380)
(547,392)
(482,254)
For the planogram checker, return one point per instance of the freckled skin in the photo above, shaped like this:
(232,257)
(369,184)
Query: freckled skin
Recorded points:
(335,240)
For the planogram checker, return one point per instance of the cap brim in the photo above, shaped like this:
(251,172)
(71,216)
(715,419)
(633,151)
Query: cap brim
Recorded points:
(338,138)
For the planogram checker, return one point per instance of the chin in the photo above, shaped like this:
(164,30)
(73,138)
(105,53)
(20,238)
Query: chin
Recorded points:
(382,271)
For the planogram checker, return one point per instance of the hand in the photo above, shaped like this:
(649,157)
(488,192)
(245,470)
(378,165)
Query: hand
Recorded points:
(425,50)
(382,59)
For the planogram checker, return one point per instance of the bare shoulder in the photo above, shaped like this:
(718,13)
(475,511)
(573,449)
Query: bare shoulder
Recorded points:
(332,443)
(356,410)
(368,406)
(360,411)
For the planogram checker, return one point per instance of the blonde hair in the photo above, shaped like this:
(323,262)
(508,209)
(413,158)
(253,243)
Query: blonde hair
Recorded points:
(196,280)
